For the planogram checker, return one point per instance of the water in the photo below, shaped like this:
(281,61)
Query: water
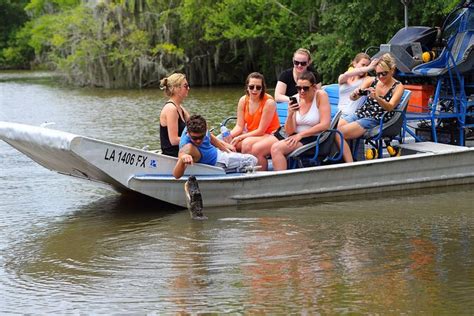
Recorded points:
(68,246)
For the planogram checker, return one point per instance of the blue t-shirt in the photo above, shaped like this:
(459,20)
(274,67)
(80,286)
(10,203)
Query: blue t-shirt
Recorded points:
(207,150)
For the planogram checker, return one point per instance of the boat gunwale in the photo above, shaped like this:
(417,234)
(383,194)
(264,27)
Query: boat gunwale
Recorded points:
(267,174)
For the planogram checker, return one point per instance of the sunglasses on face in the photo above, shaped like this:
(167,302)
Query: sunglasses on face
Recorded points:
(304,88)
(381,74)
(197,137)
(252,87)
(186,86)
(298,63)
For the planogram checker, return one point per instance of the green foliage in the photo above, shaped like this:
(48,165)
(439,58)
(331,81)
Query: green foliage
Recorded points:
(12,17)
(352,26)
(39,7)
(132,43)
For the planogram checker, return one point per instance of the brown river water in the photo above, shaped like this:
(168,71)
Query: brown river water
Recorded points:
(72,247)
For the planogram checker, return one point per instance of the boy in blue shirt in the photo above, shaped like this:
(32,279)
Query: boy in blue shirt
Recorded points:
(197,144)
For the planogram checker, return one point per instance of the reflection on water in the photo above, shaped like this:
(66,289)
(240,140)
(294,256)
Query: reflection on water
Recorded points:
(70,247)
(377,256)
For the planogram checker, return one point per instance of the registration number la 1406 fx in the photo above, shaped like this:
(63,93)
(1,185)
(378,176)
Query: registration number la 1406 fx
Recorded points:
(125,157)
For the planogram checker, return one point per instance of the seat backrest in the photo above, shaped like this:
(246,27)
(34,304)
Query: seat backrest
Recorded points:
(393,127)
(326,141)
(335,120)
(458,49)
(282,111)
(333,93)
(461,49)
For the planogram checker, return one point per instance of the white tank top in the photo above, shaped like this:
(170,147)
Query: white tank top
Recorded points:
(309,119)
(345,104)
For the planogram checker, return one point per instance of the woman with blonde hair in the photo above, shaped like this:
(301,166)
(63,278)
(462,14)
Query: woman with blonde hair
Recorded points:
(383,92)
(286,85)
(173,115)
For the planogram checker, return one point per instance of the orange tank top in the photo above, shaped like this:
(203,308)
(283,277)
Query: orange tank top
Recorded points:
(253,120)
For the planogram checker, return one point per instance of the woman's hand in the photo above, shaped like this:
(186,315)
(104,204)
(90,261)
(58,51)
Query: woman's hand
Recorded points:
(355,94)
(293,139)
(294,106)
(372,93)
(372,64)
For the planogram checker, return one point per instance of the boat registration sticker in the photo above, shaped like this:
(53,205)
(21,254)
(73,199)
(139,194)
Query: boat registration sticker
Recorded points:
(125,157)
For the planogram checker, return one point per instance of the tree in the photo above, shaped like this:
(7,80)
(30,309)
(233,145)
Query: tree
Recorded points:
(12,52)
(133,43)
(349,27)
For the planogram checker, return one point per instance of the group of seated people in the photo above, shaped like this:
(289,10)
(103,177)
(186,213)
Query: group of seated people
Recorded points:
(257,135)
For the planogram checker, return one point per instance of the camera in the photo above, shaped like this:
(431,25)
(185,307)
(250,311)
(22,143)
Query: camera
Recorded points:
(364,92)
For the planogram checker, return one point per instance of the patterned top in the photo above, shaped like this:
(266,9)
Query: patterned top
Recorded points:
(372,109)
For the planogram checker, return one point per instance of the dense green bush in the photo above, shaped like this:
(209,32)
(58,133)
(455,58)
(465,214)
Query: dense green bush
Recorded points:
(133,43)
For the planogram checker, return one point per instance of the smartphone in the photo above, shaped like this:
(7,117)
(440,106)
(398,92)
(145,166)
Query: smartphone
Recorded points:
(293,104)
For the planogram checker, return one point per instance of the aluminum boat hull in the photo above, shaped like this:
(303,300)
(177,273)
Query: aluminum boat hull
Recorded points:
(422,165)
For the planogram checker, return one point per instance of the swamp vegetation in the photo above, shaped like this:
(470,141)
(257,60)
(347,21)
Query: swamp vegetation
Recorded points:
(134,43)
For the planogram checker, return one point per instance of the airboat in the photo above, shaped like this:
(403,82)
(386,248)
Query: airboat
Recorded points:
(431,160)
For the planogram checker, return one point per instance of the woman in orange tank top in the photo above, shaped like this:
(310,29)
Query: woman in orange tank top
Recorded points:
(257,117)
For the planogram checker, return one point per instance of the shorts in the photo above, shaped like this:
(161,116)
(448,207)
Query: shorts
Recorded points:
(280,134)
(235,162)
(365,122)
(308,139)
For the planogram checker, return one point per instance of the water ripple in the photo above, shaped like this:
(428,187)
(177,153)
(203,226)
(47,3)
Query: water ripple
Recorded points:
(69,247)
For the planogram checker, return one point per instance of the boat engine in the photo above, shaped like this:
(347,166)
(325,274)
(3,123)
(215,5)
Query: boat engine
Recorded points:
(408,44)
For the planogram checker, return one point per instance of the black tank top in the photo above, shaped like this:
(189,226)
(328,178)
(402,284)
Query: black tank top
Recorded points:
(166,147)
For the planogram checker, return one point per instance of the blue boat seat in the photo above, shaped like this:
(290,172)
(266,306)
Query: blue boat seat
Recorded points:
(457,54)
(333,93)
(450,70)
(320,151)
(386,132)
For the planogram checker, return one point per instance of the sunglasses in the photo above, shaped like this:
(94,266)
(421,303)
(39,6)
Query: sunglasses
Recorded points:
(197,137)
(186,86)
(381,74)
(252,87)
(302,63)
(304,88)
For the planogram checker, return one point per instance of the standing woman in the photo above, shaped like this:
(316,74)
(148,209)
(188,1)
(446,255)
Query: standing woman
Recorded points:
(352,79)
(384,94)
(307,117)
(286,85)
(257,117)
(173,116)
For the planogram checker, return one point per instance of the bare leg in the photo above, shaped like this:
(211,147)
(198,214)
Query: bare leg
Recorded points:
(350,131)
(279,152)
(248,143)
(261,150)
